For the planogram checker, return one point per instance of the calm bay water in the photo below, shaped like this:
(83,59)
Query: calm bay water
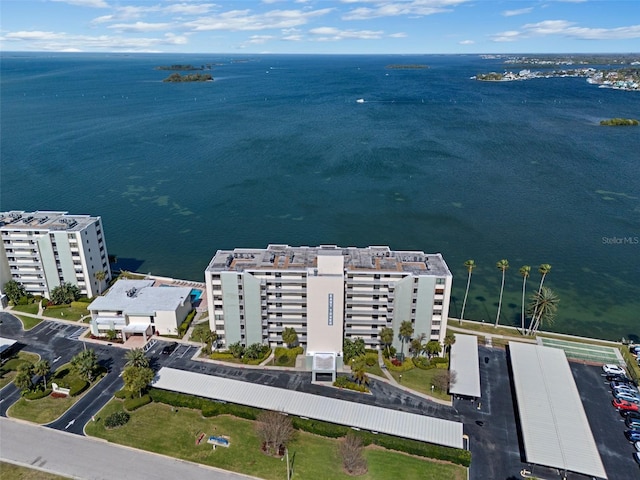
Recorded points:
(277,150)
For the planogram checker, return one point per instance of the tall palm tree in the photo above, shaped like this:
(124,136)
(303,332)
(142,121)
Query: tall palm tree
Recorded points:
(525,270)
(386,337)
(100,275)
(470,264)
(360,375)
(449,340)
(42,368)
(543,269)
(502,265)
(406,331)
(417,345)
(545,304)
(136,358)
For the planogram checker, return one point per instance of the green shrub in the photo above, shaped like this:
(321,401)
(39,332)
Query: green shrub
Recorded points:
(123,394)
(38,393)
(371,350)
(131,404)
(77,386)
(212,409)
(184,326)
(316,427)
(423,363)
(440,360)
(344,382)
(221,355)
(116,419)
(370,359)
(23,300)
(407,365)
(389,352)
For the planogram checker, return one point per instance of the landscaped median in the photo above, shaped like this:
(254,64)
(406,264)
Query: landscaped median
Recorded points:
(172,424)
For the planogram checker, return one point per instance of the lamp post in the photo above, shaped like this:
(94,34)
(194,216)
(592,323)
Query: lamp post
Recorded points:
(286,453)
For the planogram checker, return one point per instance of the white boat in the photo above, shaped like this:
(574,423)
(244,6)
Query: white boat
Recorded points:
(360,100)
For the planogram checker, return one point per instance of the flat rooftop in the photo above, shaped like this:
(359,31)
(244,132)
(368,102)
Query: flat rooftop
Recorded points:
(140,297)
(43,220)
(285,257)
(466,363)
(341,412)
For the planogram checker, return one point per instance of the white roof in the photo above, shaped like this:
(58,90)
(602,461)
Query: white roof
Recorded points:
(6,344)
(465,362)
(140,297)
(555,429)
(377,419)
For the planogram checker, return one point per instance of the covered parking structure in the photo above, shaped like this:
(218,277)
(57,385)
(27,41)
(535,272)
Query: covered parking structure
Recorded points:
(466,365)
(554,425)
(341,412)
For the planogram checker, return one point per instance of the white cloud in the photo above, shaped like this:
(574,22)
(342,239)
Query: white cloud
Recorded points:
(398,35)
(568,29)
(258,39)
(189,9)
(513,13)
(385,8)
(547,27)
(326,34)
(508,36)
(140,27)
(85,3)
(62,41)
(243,20)
(466,42)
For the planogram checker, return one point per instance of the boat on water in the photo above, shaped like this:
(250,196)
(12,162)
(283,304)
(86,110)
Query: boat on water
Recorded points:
(360,100)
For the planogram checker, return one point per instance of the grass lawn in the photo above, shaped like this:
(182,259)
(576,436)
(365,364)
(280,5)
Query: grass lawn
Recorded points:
(155,427)
(32,308)
(420,381)
(487,328)
(375,370)
(29,322)
(66,313)
(10,367)
(16,472)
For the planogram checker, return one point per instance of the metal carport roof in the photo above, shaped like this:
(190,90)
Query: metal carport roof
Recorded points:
(464,361)
(366,417)
(555,429)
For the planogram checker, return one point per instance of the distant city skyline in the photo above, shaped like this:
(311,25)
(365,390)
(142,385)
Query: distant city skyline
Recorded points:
(322,26)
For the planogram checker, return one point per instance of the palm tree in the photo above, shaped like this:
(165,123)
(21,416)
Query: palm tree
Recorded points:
(406,330)
(416,344)
(22,381)
(502,265)
(290,336)
(433,347)
(543,269)
(525,270)
(42,368)
(136,358)
(386,337)
(545,304)
(85,364)
(449,340)
(470,264)
(360,375)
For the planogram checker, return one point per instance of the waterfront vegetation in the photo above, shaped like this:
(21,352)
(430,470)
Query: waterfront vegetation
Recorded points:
(164,428)
(194,77)
(619,122)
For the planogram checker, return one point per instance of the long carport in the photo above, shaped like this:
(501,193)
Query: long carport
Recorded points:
(466,365)
(357,415)
(554,425)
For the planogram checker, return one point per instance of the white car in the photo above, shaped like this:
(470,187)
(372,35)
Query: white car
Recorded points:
(612,369)
(637,445)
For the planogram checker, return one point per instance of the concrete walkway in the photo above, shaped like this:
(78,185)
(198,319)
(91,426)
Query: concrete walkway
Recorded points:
(75,456)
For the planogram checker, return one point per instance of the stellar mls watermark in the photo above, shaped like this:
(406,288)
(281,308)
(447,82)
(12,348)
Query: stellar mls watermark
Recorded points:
(620,240)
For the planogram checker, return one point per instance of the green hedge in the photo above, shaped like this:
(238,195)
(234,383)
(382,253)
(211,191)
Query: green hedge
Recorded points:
(316,427)
(407,365)
(209,408)
(123,394)
(131,404)
(221,356)
(423,363)
(184,326)
(37,394)
(344,382)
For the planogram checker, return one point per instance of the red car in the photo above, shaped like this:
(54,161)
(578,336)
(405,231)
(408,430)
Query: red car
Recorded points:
(624,405)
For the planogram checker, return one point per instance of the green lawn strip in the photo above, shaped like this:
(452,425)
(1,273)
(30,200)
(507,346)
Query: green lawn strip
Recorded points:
(413,468)
(571,344)
(375,370)
(28,322)
(31,308)
(162,429)
(486,328)
(16,472)
(66,313)
(419,380)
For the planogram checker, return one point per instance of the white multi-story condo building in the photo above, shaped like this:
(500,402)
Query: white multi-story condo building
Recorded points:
(325,293)
(42,250)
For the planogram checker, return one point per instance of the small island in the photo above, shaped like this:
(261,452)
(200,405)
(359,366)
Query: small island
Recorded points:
(194,77)
(410,66)
(616,122)
(179,67)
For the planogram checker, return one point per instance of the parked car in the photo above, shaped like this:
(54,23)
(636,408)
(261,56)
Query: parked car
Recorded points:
(621,383)
(632,435)
(633,423)
(625,405)
(627,396)
(634,349)
(613,369)
(168,350)
(636,457)
(618,378)
(623,386)
(637,445)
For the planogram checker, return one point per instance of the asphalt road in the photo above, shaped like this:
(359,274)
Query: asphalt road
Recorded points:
(83,457)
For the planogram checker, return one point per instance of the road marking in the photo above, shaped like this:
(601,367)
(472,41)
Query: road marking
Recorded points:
(70,423)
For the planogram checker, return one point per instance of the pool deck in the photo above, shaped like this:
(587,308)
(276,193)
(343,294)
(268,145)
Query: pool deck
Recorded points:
(200,305)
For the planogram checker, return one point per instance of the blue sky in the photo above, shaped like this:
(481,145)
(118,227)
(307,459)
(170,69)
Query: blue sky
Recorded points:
(321,26)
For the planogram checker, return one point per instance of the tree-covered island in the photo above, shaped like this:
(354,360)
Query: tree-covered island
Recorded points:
(183,68)
(408,66)
(193,77)
(616,122)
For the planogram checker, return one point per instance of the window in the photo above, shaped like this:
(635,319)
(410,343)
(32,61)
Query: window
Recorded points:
(439,281)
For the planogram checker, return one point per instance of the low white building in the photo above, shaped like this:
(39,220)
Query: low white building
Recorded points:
(137,307)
